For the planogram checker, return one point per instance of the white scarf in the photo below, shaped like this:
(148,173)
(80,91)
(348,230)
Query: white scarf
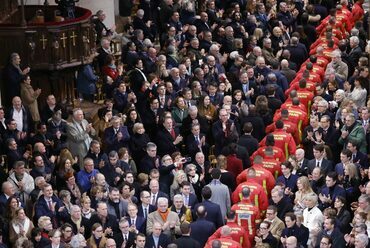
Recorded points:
(26,226)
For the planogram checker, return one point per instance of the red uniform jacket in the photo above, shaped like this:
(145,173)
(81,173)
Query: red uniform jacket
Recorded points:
(289,127)
(247,216)
(283,140)
(258,195)
(278,153)
(357,12)
(226,242)
(238,234)
(272,165)
(263,178)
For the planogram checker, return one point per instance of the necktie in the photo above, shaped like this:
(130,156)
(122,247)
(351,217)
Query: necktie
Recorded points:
(197,139)
(300,164)
(153,199)
(133,222)
(125,237)
(82,127)
(173,134)
(162,101)
(318,164)
(50,204)
(145,212)
(353,157)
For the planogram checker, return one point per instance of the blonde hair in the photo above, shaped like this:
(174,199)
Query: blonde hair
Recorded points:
(306,184)
(222,162)
(41,221)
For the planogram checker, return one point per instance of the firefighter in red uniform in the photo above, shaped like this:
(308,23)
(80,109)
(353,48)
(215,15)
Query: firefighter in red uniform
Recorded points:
(305,96)
(297,115)
(289,127)
(247,215)
(311,82)
(289,102)
(226,241)
(271,164)
(324,38)
(263,176)
(238,233)
(357,11)
(258,195)
(312,69)
(270,142)
(283,140)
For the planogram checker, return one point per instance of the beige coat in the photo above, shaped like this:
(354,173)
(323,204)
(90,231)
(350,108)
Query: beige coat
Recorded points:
(277,227)
(29,99)
(155,217)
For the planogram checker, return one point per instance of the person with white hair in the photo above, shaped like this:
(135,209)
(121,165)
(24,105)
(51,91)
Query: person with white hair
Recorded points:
(356,51)
(312,217)
(341,68)
(165,217)
(361,240)
(79,133)
(78,241)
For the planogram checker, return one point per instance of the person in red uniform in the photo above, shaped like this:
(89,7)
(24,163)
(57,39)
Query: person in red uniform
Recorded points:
(310,84)
(271,164)
(324,38)
(304,95)
(357,11)
(283,140)
(297,115)
(289,102)
(263,176)
(312,68)
(258,195)
(270,142)
(238,233)
(247,215)
(226,241)
(289,127)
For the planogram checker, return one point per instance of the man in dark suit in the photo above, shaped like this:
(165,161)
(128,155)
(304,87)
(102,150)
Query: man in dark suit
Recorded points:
(357,156)
(356,51)
(155,193)
(150,160)
(248,88)
(282,203)
(224,131)
(213,211)
(126,234)
(157,239)
(145,208)
(202,228)
(103,51)
(190,200)
(196,142)
(54,236)
(302,162)
(7,191)
(194,117)
(25,124)
(50,205)
(168,138)
(137,223)
(247,140)
(116,136)
(104,218)
(185,241)
(319,160)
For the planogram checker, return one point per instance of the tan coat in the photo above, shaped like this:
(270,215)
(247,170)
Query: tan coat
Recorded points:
(29,99)
(155,217)
(277,227)
(14,230)
(91,242)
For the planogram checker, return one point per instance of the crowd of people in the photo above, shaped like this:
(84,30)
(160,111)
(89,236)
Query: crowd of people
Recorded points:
(225,124)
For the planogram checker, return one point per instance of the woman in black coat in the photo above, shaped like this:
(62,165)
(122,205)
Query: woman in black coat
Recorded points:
(139,139)
(343,218)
